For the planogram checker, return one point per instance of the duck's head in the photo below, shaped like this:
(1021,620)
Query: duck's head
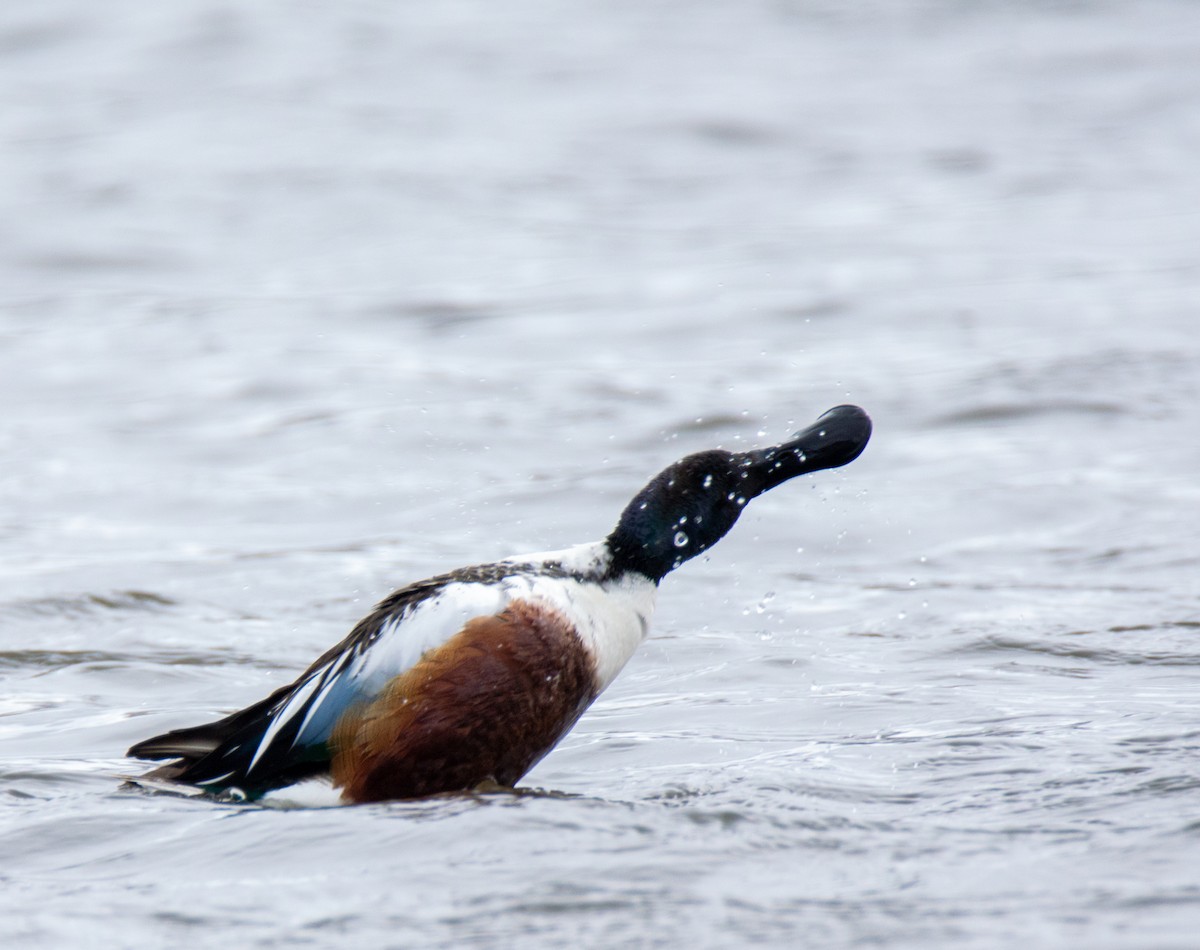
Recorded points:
(689,506)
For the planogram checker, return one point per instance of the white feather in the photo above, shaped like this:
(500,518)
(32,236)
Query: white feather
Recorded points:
(294,703)
(311,793)
(425,627)
(612,616)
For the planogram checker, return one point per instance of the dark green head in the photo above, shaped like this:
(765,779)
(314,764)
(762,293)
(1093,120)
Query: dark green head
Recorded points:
(692,504)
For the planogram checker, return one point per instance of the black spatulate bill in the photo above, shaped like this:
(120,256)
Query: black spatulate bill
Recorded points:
(690,505)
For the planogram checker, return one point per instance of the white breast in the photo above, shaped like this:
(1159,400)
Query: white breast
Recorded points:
(612,617)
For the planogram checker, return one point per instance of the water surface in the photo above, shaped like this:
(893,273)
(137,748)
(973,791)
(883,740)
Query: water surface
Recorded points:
(299,304)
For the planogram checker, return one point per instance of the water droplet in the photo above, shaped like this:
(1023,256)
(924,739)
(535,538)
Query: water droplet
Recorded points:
(766,600)
(902,615)
(912,582)
(708,481)
(681,539)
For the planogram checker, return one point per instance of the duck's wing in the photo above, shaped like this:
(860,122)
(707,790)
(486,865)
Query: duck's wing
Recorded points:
(285,738)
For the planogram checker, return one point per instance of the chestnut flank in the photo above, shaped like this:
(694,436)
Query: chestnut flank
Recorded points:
(484,706)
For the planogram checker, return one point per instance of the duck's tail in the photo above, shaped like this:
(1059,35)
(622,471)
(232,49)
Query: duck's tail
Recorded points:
(217,755)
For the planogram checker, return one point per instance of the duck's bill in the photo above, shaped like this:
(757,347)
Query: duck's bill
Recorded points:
(837,438)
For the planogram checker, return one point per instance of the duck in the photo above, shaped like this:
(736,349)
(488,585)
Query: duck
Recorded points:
(467,679)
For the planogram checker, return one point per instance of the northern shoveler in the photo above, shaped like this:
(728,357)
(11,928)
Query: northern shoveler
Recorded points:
(471,677)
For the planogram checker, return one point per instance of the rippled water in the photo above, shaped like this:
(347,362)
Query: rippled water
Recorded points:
(300,303)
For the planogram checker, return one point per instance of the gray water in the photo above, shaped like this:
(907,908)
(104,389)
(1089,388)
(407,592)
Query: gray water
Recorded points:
(301,302)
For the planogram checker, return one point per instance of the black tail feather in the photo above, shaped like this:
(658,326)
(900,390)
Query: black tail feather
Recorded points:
(195,742)
(217,755)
